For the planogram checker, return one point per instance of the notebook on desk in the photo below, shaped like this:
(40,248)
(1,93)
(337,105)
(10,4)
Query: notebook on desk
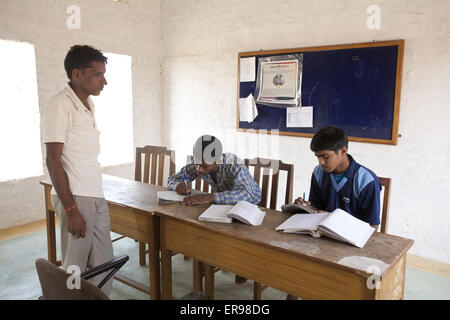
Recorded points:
(173,196)
(338,225)
(243,211)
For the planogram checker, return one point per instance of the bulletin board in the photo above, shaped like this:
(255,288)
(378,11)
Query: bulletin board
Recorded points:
(354,86)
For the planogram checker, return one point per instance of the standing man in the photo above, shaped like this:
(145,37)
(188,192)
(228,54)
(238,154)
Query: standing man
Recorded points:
(72,142)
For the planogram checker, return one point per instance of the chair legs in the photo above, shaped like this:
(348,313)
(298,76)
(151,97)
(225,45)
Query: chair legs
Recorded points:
(239,279)
(209,281)
(257,290)
(198,272)
(202,270)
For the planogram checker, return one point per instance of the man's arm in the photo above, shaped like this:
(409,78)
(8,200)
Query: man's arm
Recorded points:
(60,181)
(177,183)
(244,188)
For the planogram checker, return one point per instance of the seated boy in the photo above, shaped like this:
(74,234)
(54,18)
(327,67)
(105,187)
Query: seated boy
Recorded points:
(339,181)
(227,175)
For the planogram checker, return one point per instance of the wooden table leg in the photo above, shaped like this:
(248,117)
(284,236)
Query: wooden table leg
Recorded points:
(197,270)
(50,222)
(166,266)
(153,257)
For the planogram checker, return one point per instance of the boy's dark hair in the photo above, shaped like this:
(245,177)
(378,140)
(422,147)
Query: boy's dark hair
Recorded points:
(207,149)
(80,57)
(329,138)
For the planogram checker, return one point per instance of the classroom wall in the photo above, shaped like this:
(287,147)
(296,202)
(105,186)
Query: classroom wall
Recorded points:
(128,27)
(201,40)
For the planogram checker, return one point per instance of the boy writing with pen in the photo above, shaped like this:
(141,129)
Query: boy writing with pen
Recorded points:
(339,181)
(227,175)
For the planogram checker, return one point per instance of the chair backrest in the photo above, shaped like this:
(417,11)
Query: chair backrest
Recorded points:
(271,169)
(54,284)
(199,184)
(155,155)
(386,184)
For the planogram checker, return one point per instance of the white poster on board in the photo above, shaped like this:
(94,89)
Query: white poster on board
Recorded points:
(247,69)
(301,117)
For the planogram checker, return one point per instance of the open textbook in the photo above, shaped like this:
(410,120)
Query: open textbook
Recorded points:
(243,211)
(296,208)
(338,225)
(173,196)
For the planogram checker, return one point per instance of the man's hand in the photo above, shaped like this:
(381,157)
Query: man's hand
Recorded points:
(198,199)
(183,188)
(75,223)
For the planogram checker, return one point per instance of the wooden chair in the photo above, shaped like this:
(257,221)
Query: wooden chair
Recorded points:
(270,171)
(152,174)
(386,184)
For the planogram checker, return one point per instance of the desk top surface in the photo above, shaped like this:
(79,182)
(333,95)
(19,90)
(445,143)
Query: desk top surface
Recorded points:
(128,193)
(381,250)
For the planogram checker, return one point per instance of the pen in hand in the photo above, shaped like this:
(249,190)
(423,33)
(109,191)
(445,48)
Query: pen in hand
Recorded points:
(188,191)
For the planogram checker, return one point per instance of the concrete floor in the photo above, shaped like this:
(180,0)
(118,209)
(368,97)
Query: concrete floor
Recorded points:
(18,278)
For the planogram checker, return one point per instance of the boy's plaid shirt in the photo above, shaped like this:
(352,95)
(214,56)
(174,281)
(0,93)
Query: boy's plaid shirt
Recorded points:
(234,181)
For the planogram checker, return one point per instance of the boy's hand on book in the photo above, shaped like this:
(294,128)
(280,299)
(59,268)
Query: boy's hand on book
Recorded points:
(198,199)
(183,188)
(300,200)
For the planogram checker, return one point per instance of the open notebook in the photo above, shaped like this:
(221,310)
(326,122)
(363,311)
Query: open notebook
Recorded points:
(338,225)
(243,211)
(173,196)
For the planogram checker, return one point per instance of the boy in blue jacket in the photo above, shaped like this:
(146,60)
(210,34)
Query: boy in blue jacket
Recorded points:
(339,181)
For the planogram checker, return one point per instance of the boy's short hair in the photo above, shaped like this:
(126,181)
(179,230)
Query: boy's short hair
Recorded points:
(329,138)
(80,57)
(207,149)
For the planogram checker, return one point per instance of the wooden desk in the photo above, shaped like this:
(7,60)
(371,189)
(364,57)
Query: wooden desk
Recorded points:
(301,265)
(131,205)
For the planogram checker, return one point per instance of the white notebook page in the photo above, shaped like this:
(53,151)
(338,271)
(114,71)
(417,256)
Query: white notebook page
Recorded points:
(216,212)
(348,227)
(303,221)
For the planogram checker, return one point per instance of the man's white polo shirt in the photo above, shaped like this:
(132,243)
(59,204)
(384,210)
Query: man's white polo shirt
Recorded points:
(65,119)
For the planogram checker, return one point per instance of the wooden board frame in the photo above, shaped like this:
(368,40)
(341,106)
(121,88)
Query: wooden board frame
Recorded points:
(398,81)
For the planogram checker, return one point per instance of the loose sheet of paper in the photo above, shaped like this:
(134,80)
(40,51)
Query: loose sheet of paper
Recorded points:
(301,117)
(173,195)
(247,109)
(248,69)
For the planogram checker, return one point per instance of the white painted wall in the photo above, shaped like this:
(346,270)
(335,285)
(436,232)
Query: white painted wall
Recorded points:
(201,41)
(132,28)
(197,41)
